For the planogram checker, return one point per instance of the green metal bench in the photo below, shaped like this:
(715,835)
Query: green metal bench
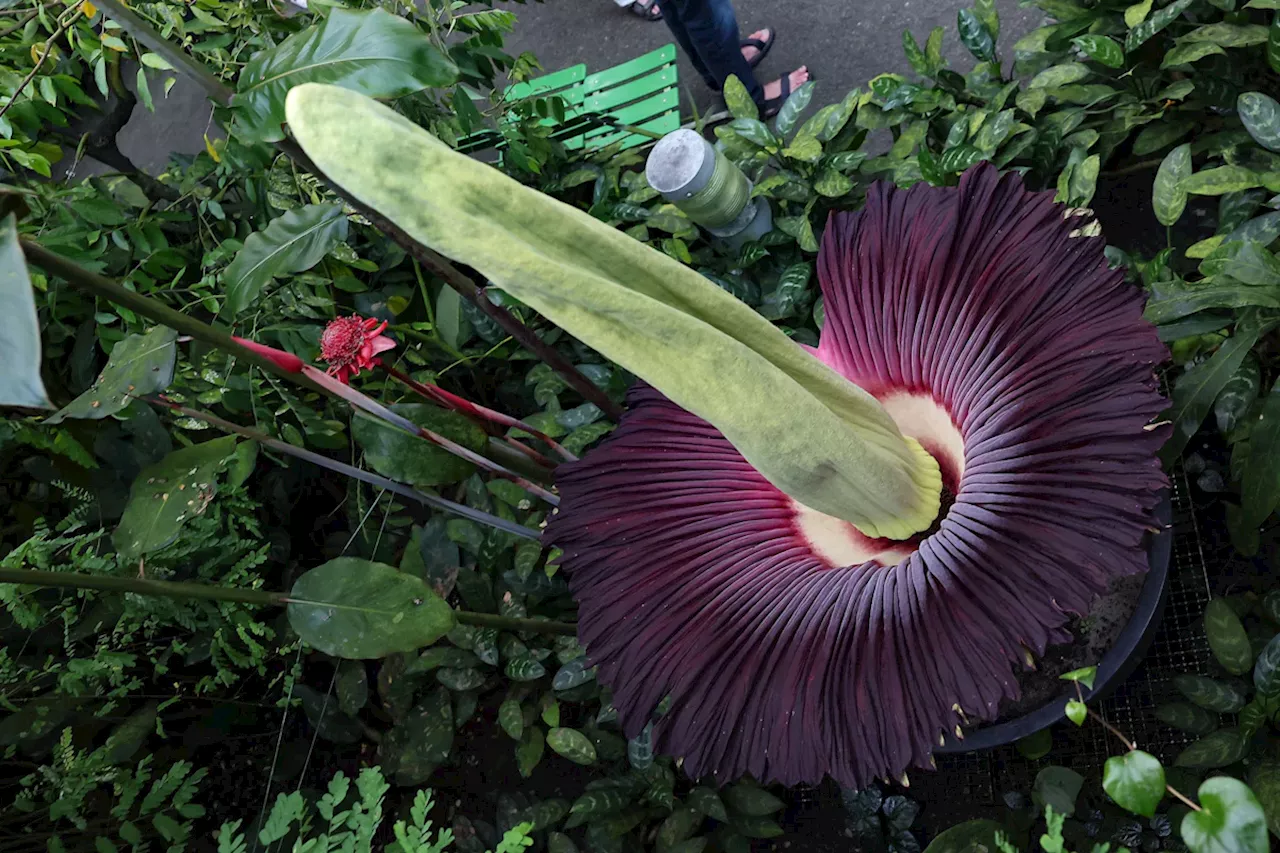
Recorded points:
(602,108)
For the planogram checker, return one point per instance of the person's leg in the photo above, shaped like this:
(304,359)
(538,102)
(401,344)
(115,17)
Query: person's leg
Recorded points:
(673,14)
(708,32)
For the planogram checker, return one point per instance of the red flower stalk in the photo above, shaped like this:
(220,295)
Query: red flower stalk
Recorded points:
(284,360)
(791,645)
(351,344)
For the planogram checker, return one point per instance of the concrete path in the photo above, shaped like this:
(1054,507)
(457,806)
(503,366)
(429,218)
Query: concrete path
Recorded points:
(844,43)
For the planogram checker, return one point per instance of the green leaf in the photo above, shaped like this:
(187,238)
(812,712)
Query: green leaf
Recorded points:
(1216,749)
(1209,694)
(1135,781)
(1261,117)
(166,495)
(1184,54)
(1060,75)
(1273,43)
(511,718)
(1142,32)
(353,608)
(832,184)
(1137,13)
(678,826)
(805,428)
(738,100)
(372,52)
(793,107)
(604,801)
(804,147)
(35,719)
(573,745)
(1260,486)
(960,157)
(1077,712)
(1195,390)
(139,365)
(985,10)
(1227,637)
(451,319)
(1057,787)
(394,453)
(1264,779)
(142,88)
(1266,670)
(1221,180)
(1102,49)
(748,799)
(975,36)
(709,803)
(1230,820)
(573,674)
(1167,195)
(1227,35)
(415,747)
(1082,181)
(1036,746)
(915,56)
(20,382)
(972,836)
(524,669)
(1188,717)
(294,242)
(352,686)
(326,718)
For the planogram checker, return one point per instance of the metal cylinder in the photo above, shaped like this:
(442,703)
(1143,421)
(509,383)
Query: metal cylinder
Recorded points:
(695,177)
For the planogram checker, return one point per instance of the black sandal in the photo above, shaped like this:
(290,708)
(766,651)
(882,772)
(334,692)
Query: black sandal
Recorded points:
(762,47)
(647,9)
(770,108)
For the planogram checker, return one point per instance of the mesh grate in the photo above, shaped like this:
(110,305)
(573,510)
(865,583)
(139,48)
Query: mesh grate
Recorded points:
(1179,646)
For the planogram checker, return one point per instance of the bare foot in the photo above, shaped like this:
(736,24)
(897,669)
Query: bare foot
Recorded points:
(773,89)
(750,52)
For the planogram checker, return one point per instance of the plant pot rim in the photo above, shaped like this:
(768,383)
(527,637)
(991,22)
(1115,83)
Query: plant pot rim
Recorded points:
(1116,665)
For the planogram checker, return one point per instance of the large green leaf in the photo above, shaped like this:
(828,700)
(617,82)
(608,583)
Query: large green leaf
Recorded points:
(412,459)
(1266,670)
(1260,483)
(373,52)
(353,608)
(1167,196)
(1216,749)
(1135,780)
(1227,637)
(1057,787)
(1264,779)
(972,836)
(1261,116)
(20,383)
(1221,180)
(1209,694)
(1195,391)
(139,365)
(572,744)
(975,36)
(1188,717)
(1230,820)
(421,742)
(294,242)
(1142,32)
(168,494)
(812,433)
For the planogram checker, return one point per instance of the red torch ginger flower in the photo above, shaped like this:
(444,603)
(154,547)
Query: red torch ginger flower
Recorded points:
(351,344)
(792,646)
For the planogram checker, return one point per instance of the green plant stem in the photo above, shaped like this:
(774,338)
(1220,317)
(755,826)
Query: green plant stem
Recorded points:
(436,263)
(22,22)
(152,309)
(258,597)
(1130,745)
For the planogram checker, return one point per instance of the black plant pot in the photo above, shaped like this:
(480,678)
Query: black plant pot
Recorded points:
(1116,665)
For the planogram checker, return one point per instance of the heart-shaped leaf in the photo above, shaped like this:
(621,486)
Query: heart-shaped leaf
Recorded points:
(353,608)
(972,836)
(1057,787)
(1135,781)
(168,494)
(294,242)
(812,433)
(1230,820)
(20,383)
(139,365)
(373,52)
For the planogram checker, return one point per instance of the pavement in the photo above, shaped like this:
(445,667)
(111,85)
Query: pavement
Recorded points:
(843,42)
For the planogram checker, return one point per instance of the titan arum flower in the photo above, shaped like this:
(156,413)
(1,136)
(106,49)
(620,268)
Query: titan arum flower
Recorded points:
(825,558)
